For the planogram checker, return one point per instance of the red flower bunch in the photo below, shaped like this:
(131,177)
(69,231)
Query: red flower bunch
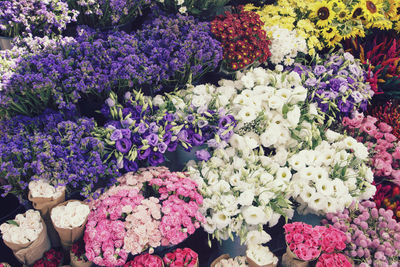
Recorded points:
(78,250)
(387,196)
(382,144)
(388,113)
(181,257)
(145,260)
(333,259)
(333,240)
(51,258)
(242,37)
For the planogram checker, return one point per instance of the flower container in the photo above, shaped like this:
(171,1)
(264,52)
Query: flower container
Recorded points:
(78,263)
(222,257)
(32,251)
(69,235)
(289,259)
(44,206)
(5,43)
(253,264)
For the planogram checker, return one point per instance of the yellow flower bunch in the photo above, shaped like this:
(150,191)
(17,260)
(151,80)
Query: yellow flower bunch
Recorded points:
(285,15)
(324,23)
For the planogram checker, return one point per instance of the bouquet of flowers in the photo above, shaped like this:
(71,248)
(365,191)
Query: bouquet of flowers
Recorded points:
(333,259)
(388,113)
(337,82)
(35,17)
(51,258)
(71,215)
(222,261)
(242,37)
(146,260)
(107,13)
(285,45)
(26,236)
(141,130)
(63,153)
(258,256)
(372,234)
(43,189)
(382,144)
(181,257)
(154,207)
(387,196)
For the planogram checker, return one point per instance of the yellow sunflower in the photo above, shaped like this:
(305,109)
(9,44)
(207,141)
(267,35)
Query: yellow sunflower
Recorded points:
(334,41)
(397,26)
(372,10)
(329,32)
(342,13)
(323,11)
(383,24)
(357,11)
(394,10)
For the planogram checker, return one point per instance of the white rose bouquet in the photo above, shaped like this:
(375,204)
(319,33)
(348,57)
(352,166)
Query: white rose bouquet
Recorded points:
(69,220)
(26,236)
(42,188)
(261,256)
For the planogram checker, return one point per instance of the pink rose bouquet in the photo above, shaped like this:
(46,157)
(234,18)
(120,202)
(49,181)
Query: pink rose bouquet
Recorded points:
(181,257)
(333,240)
(333,259)
(153,207)
(304,240)
(383,146)
(145,260)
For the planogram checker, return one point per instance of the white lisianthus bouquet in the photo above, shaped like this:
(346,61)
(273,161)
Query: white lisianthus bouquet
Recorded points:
(261,256)
(331,176)
(71,215)
(23,229)
(241,193)
(42,188)
(285,45)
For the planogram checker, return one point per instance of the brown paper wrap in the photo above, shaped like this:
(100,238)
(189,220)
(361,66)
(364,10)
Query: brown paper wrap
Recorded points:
(30,252)
(44,205)
(70,236)
(251,263)
(222,257)
(75,263)
(289,259)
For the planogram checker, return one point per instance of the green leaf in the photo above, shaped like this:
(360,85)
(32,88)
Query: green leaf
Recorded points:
(12,222)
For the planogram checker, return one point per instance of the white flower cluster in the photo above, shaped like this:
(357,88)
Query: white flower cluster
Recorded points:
(42,188)
(261,255)
(241,193)
(285,45)
(330,177)
(71,215)
(179,3)
(23,229)
(239,261)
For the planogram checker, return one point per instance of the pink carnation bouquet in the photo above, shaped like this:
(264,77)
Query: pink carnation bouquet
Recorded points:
(383,146)
(145,260)
(181,257)
(153,207)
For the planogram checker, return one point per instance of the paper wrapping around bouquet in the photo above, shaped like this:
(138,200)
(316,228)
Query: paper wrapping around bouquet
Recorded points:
(222,257)
(76,263)
(68,236)
(44,205)
(289,259)
(251,263)
(30,252)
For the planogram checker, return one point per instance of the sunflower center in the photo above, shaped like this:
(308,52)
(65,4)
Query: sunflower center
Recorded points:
(398,11)
(371,7)
(323,13)
(342,14)
(357,12)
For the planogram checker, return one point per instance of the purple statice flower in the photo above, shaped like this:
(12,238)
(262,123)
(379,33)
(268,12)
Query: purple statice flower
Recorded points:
(52,148)
(34,17)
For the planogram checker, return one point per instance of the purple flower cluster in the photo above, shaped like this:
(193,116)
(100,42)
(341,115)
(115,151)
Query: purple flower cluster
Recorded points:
(37,17)
(103,13)
(138,133)
(47,147)
(57,73)
(338,84)
(373,236)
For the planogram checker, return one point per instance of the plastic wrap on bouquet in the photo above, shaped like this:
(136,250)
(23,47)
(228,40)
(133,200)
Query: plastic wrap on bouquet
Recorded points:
(68,236)
(78,263)
(44,205)
(30,252)
(289,259)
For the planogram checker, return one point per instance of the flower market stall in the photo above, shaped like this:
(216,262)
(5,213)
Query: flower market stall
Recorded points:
(199,133)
